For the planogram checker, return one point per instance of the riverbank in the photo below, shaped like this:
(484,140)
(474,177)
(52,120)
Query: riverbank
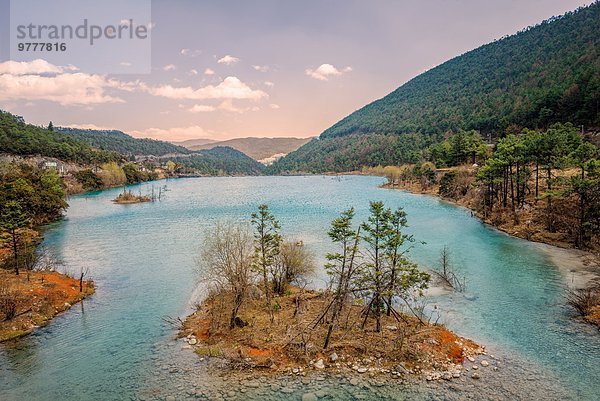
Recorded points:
(32,299)
(293,343)
(580,268)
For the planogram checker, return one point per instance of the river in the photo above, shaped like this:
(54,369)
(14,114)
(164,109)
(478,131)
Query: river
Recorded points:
(142,258)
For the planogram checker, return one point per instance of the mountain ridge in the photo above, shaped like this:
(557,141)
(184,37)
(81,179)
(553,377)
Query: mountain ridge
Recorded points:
(258,148)
(543,74)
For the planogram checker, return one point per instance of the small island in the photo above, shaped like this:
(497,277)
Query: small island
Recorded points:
(259,314)
(127,197)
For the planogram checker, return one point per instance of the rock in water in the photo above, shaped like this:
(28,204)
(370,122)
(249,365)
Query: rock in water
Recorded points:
(319,364)
(333,357)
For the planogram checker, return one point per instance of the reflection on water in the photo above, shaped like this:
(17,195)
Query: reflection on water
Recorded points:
(142,260)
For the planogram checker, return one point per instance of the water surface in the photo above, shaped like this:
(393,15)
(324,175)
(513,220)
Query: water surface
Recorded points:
(142,258)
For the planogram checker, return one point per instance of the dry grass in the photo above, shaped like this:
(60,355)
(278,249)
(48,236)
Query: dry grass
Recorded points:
(586,301)
(38,300)
(295,337)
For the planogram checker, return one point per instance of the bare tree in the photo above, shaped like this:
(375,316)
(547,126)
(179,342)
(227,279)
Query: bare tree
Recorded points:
(82,273)
(8,302)
(584,299)
(227,262)
(293,262)
(447,273)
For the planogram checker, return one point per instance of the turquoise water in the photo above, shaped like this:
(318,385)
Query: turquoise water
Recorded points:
(142,258)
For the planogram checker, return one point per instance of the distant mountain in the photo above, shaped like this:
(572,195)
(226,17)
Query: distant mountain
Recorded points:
(544,74)
(20,138)
(193,142)
(220,160)
(118,141)
(258,148)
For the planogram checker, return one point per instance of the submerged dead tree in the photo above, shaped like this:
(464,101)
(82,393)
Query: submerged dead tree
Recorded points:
(447,273)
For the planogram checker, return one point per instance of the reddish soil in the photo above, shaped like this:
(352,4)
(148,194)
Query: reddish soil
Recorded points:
(39,296)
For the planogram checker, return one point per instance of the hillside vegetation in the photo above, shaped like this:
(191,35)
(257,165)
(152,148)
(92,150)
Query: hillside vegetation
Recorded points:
(545,74)
(19,138)
(120,142)
(221,160)
(109,150)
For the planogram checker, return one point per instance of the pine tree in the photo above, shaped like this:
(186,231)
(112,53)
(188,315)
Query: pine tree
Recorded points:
(341,266)
(12,219)
(267,242)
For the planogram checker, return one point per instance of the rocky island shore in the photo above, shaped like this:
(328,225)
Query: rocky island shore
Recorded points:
(292,343)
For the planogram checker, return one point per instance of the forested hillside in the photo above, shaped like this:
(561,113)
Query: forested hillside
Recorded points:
(93,147)
(544,74)
(221,160)
(120,142)
(19,138)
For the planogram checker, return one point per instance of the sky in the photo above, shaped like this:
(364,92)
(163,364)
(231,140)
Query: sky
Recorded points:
(266,68)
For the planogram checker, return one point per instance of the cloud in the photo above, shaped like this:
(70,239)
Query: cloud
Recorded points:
(193,71)
(229,88)
(324,71)
(200,108)
(208,71)
(87,126)
(261,68)
(269,83)
(40,80)
(35,67)
(228,60)
(125,63)
(173,134)
(190,52)
(225,105)
(274,106)
(169,67)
